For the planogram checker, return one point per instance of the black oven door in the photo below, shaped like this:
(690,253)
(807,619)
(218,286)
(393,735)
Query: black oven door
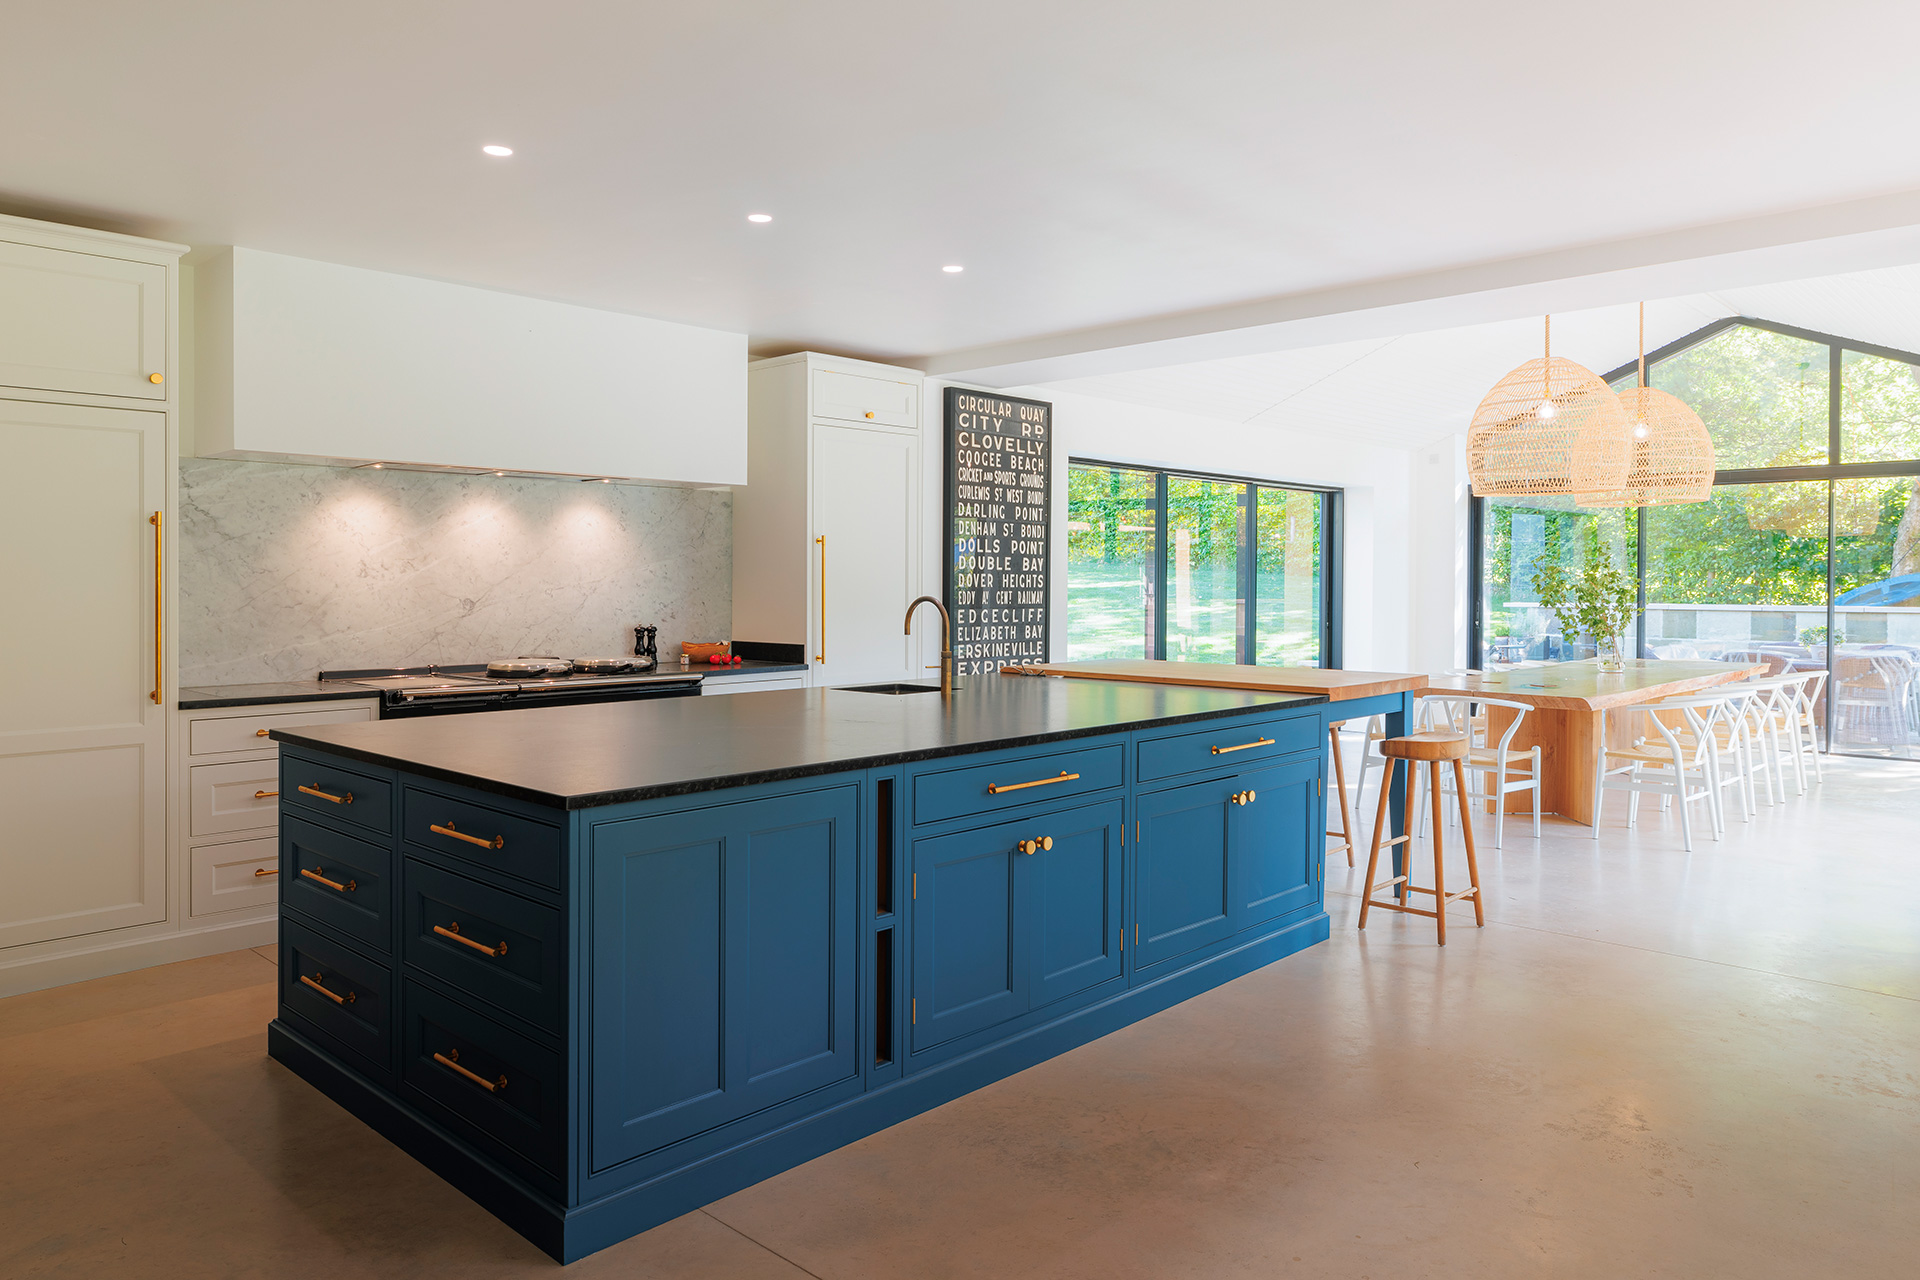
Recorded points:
(398,704)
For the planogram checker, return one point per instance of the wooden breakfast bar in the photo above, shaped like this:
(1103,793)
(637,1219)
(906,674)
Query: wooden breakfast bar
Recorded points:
(1570,701)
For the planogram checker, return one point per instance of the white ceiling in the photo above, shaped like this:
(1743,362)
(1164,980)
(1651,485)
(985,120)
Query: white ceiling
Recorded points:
(1409,390)
(1089,163)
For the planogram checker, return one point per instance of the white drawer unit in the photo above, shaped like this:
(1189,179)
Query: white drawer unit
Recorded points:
(858,397)
(233,797)
(240,873)
(753,684)
(227,798)
(215,735)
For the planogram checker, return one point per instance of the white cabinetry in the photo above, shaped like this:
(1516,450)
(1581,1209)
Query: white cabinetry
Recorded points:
(87,377)
(826,531)
(230,775)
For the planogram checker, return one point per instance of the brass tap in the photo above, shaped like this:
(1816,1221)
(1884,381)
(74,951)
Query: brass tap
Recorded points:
(946,641)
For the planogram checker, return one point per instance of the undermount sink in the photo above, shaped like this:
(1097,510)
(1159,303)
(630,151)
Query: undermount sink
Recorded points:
(890,688)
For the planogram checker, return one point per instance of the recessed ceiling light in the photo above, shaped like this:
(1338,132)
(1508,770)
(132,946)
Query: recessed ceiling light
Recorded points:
(953,270)
(759,217)
(499,473)
(497,150)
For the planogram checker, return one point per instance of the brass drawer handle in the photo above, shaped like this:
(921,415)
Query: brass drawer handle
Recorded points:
(453,931)
(266,871)
(498,842)
(314,982)
(1035,846)
(451,1059)
(262,795)
(315,791)
(319,873)
(1257,742)
(995,788)
(259,733)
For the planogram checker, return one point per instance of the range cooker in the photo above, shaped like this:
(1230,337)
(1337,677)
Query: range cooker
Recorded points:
(516,682)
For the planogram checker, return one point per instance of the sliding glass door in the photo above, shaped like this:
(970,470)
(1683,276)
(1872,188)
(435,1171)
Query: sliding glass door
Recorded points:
(1197,568)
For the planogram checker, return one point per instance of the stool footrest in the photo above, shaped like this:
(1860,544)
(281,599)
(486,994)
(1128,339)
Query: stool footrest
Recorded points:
(1412,911)
(1388,884)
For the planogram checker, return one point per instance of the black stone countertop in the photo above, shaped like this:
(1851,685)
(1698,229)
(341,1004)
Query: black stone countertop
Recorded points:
(580,757)
(201,697)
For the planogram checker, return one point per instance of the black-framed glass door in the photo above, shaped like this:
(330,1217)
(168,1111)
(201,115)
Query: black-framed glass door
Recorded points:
(1199,568)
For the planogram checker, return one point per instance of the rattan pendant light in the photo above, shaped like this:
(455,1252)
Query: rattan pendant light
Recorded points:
(1672,452)
(1549,427)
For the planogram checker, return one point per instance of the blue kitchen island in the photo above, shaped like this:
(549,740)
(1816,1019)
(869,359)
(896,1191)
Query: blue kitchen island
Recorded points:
(597,966)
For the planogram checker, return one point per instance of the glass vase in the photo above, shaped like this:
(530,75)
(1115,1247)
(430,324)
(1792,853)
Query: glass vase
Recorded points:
(1608,653)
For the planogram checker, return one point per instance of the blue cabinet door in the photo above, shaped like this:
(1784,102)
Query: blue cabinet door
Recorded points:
(1183,871)
(723,954)
(972,952)
(1076,902)
(1273,841)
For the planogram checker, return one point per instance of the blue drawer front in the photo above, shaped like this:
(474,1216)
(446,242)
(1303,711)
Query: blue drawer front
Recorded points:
(335,794)
(1008,784)
(346,997)
(344,883)
(1231,743)
(519,1099)
(486,837)
(489,943)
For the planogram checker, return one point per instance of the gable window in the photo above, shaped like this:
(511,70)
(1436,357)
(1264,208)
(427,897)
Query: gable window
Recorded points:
(1806,557)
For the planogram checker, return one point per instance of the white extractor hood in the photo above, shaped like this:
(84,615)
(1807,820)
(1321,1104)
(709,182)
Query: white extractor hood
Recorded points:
(309,361)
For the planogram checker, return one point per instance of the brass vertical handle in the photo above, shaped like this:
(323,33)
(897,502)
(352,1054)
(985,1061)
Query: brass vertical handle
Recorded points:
(822,655)
(159,619)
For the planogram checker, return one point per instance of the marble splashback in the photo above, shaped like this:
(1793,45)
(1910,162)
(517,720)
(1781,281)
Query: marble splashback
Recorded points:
(289,570)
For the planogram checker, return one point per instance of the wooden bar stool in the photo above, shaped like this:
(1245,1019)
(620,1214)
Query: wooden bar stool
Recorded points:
(1435,749)
(1340,788)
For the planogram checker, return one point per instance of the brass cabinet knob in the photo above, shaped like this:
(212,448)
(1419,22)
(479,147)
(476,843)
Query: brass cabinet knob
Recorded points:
(156,378)
(869,413)
(1035,846)
(1243,797)
(1046,842)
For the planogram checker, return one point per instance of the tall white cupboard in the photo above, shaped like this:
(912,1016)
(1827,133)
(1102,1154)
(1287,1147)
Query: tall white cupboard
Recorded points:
(826,531)
(89,368)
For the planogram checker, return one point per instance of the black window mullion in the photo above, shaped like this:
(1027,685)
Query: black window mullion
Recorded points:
(1157,613)
(1332,548)
(1249,577)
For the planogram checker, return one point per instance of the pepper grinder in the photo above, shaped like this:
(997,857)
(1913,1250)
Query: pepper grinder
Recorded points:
(646,646)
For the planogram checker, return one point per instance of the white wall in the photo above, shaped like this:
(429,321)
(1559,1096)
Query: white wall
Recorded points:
(1378,532)
(1440,561)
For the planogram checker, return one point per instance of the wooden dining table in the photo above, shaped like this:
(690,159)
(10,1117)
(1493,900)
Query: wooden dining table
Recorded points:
(1568,722)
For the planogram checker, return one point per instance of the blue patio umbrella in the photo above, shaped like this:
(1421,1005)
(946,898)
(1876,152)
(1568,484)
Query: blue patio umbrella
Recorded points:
(1904,589)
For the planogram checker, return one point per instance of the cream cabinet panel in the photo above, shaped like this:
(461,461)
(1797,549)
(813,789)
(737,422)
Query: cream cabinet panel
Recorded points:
(80,849)
(860,397)
(865,500)
(82,323)
(234,797)
(227,877)
(82,756)
(210,736)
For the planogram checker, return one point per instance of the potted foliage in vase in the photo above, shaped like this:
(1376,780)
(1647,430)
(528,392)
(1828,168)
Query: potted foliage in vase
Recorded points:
(1600,600)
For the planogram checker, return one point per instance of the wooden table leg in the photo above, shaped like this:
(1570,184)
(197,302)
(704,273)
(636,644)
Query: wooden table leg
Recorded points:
(1570,745)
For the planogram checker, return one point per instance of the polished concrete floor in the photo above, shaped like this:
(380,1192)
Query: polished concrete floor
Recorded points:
(1647,1064)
